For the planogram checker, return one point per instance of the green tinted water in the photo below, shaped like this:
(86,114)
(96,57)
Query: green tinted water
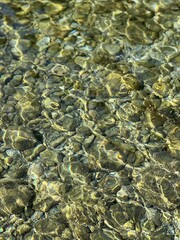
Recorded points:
(89,119)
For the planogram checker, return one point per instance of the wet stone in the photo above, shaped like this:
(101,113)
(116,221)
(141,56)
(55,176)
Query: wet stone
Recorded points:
(113,49)
(111,183)
(20,139)
(59,70)
(35,171)
(3,38)
(50,226)
(43,43)
(22,229)
(54,8)
(81,61)
(29,107)
(136,32)
(162,197)
(68,122)
(18,193)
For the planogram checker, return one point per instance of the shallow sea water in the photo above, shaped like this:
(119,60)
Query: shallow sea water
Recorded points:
(89,120)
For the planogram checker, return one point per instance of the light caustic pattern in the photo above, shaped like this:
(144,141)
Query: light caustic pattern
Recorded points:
(89,120)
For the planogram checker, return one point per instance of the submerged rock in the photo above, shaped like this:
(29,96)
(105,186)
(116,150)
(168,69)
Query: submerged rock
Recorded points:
(16,192)
(19,138)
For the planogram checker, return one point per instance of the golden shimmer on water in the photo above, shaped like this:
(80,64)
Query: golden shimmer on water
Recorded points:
(89,120)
